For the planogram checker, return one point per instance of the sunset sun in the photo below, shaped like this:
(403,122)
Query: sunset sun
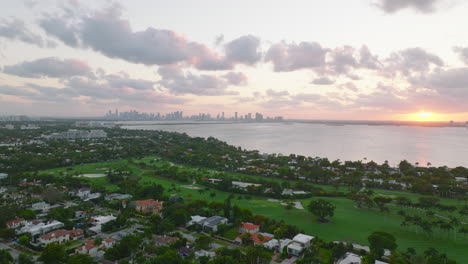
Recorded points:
(423,115)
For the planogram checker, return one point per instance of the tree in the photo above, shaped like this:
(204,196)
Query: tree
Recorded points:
(379,241)
(203,242)
(53,254)
(5,256)
(23,240)
(81,259)
(25,259)
(322,209)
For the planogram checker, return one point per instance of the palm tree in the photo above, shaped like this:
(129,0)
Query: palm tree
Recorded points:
(454,222)
(446,227)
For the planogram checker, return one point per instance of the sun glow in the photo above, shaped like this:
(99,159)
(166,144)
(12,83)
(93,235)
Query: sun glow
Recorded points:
(424,115)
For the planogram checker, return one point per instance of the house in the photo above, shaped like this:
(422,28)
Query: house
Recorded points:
(149,206)
(244,185)
(161,241)
(195,219)
(76,233)
(40,206)
(204,253)
(117,196)
(89,248)
(349,258)
(277,244)
(39,228)
(461,179)
(211,223)
(98,221)
(3,176)
(58,236)
(85,194)
(299,243)
(81,214)
(108,243)
(15,223)
(249,228)
(257,238)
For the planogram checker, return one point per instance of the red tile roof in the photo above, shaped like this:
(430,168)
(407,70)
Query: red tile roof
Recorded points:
(148,202)
(56,233)
(257,240)
(249,226)
(14,221)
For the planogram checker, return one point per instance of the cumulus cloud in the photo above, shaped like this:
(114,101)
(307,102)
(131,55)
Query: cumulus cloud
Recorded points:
(323,81)
(450,82)
(236,78)
(393,6)
(273,93)
(412,60)
(290,57)
(107,32)
(244,50)
(16,29)
(180,82)
(462,53)
(349,86)
(49,67)
(61,29)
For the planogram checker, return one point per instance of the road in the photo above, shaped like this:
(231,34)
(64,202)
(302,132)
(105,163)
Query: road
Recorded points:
(15,253)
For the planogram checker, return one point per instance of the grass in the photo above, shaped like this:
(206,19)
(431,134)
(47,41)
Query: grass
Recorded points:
(348,224)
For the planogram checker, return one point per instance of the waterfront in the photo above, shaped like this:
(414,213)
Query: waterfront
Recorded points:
(437,145)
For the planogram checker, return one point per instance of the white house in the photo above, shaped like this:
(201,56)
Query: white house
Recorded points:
(208,224)
(3,176)
(15,223)
(277,244)
(195,219)
(299,243)
(38,228)
(98,221)
(40,206)
(58,236)
(350,258)
(244,185)
(249,228)
(89,248)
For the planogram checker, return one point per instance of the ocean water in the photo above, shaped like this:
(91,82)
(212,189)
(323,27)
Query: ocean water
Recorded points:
(438,145)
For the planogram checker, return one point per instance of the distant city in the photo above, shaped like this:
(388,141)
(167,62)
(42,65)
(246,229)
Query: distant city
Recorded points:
(134,115)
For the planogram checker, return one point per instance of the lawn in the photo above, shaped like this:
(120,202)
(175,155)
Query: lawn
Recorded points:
(348,224)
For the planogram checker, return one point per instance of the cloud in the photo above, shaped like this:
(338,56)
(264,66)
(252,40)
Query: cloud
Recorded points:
(290,57)
(124,81)
(105,31)
(323,81)
(462,53)
(273,93)
(412,60)
(60,29)
(368,60)
(349,86)
(342,60)
(243,50)
(49,67)
(236,78)
(16,29)
(393,6)
(179,82)
(451,82)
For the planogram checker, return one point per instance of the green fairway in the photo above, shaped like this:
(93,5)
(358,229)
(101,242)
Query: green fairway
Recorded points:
(348,224)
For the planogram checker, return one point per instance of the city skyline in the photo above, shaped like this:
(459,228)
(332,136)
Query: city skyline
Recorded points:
(358,60)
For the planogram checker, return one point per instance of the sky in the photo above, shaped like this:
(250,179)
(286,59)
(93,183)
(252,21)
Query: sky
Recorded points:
(334,59)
